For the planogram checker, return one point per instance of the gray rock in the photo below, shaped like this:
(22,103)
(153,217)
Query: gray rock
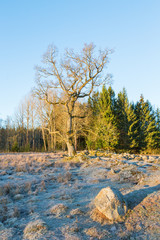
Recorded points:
(111,203)
(112,171)
(18,196)
(113,228)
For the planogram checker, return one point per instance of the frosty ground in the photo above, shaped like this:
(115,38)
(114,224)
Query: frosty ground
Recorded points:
(51,196)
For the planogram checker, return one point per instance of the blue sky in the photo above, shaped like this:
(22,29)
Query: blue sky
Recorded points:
(131,28)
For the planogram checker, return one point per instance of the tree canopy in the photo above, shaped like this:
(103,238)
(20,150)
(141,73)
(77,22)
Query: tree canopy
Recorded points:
(73,77)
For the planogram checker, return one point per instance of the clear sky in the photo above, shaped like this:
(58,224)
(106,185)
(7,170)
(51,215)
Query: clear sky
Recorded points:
(130,27)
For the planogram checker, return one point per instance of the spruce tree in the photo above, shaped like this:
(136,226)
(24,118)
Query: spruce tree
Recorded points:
(132,129)
(152,138)
(91,120)
(157,117)
(148,134)
(122,109)
(106,128)
(139,110)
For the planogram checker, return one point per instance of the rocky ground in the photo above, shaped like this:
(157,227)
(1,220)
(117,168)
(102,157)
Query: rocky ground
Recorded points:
(49,196)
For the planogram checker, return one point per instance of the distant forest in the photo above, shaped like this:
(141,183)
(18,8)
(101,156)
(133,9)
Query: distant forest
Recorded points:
(109,122)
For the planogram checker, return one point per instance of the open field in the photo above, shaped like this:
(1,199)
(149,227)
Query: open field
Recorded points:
(49,196)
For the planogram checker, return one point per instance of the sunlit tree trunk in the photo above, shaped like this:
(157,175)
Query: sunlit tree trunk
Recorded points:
(69,142)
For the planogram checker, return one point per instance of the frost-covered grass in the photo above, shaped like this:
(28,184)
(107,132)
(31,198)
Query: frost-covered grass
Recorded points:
(48,196)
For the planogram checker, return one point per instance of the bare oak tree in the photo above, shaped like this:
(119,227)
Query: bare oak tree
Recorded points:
(71,78)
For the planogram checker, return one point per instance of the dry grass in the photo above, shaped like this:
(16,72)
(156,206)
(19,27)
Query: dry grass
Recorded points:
(69,236)
(79,158)
(97,234)
(76,211)
(22,167)
(70,232)
(3,209)
(16,212)
(58,209)
(33,185)
(64,178)
(33,227)
(25,162)
(99,217)
(145,215)
(7,189)
(28,187)
(43,185)
(92,232)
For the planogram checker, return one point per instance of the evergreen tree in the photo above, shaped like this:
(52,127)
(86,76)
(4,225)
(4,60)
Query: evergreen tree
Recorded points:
(157,115)
(132,129)
(122,111)
(91,120)
(139,110)
(152,137)
(106,127)
(148,133)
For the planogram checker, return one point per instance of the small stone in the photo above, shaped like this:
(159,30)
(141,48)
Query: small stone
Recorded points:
(18,196)
(112,171)
(113,228)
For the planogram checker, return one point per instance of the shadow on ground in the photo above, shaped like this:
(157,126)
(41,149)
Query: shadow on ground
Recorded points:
(137,196)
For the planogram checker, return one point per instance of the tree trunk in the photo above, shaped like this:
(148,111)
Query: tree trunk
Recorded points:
(27,140)
(33,138)
(75,136)
(52,142)
(69,142)
(54,135)
(44,140)
(71,149)
(75,141)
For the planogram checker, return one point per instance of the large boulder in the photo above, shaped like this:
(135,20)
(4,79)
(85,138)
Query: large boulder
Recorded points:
(111,203)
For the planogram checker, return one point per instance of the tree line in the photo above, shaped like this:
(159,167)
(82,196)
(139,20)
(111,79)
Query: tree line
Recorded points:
(66,111)
(117,124)
(109,122)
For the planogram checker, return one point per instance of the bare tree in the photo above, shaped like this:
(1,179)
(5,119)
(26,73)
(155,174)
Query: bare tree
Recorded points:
(74,77)
(42,120)
(33,116)
(27,116)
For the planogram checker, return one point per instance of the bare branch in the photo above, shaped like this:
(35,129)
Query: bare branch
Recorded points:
(75,77)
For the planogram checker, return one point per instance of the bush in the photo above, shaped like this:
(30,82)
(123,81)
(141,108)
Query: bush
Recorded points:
(15,147)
